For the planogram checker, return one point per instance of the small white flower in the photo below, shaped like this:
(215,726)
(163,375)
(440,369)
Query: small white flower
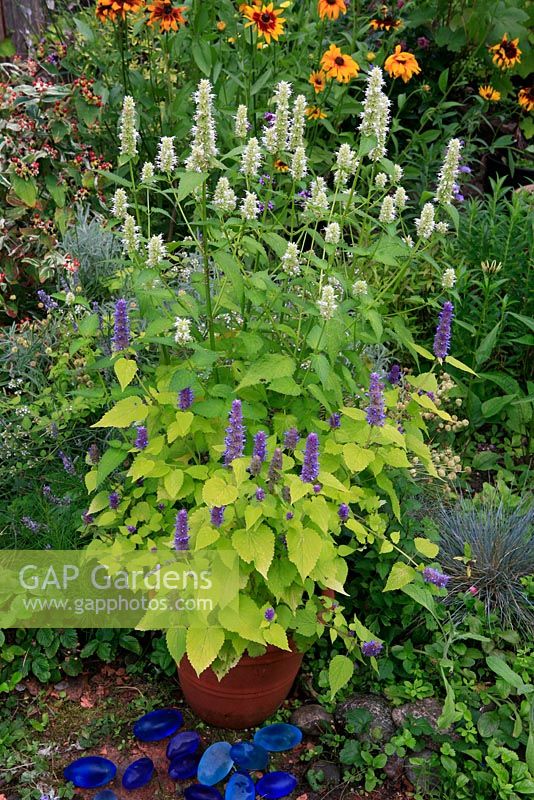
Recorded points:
(449,172)
(147,172)
(346,163)
(375,115)
(398,172)
(399,198)
(327,304)
(424,224)
(381,180)
(166,158)
(387,209)
(251,158)
(290,260)
(298,123)
(128,134)
(249,207)
(156,250)
(119,206)
(442,227)
(242,124)
(359,288)
(182,327)
(70,298)
(317,203)
(203,148)
(408,240)
(448,279)
(299,164)
(224,197)
(332,233)
(130,234)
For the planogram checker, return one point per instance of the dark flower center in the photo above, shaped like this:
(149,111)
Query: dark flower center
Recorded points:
(509,49)
(340,61)
(265,18)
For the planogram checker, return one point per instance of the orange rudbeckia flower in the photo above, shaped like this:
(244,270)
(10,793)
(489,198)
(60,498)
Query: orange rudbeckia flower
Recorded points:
(331,8)
(266,19)
(314,112)
(402,65)
(111,9)
(318,81)
(338,65)
(489,93)
(170,17)
(525,98)
(506,53)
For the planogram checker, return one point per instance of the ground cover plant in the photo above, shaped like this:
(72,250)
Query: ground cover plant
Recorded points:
(265,286)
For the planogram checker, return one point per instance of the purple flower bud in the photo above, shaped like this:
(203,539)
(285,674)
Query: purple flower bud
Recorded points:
(217,516)
(235,434)
(87,518)
(185,399)
(269,117)
(289,515)
(286,494)
(54,432)
(310,465)
(260,445)
(291,439)
(141,440)
(121,333)
(160,506)
(343,512)
(93,454)
(181,531)
(131,529)
(255,466)
(372,648)
(317,487)
(375,413)
(394,375)
(269,614)
(436,577)
(275,467)
(260,494)
(31,524)
(442,339)
(335,420)
(68,466)
(114,501)
(465,169)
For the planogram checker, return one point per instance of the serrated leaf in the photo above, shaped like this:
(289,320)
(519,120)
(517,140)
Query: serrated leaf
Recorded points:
(217,492)
(203,646)
(173,482)
(426,547)
(277,636)
(255,547)
(123,414)
(180,426)
(357,458)
(340,672)
(395,457)
(125,370)
(401,574)
(206,536)
(188,183)
(304,547)
(252,515)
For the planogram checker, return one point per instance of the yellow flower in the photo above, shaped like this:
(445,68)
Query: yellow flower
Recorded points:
(266,19)
(402,65)
(169,17)
(281,166)
(506,53)
(489,93)
(331,8)
(111,9)
(525,98)
(318,81)
(370,56)
(338,65)
(314,112)
(221,25)
(386,23)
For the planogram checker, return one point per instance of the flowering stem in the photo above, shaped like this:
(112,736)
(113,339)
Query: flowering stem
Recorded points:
(205,258)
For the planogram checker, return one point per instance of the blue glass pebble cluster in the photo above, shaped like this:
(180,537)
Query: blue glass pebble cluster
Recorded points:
(210,768)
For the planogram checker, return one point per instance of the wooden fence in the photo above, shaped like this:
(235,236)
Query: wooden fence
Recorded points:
(21,19)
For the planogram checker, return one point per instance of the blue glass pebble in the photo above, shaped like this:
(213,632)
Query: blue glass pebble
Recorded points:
(275,785)
(90,772)
(278,737)
(240,787)
(184,743)
(249,756)
(215,763)
(198,791)
(138,774)
(183,767)
(158,724)
(107,794)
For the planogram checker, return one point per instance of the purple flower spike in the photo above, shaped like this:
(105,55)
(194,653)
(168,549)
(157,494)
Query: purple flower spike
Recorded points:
(185,399)
(141,440)
(343,512)
(335,420)
(121,333)
(217,516)
(68,466)
(275,467)
(93,454)
(269,614)
(260,494)
(235,434)
(375,410)
(442,339)
(436,577)
(394,375)
(372,648)
(114,500)
(310,465)
(260,446)
(291,439)
(181,531)
(48,302)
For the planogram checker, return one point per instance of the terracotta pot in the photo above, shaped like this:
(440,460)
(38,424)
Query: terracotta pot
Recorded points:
(247,695)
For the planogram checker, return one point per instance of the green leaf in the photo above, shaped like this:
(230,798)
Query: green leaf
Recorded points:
(487,345)
(123,414)
(188,183)
(395,457)
(304,547)
(421,595)
(181,425)
(340,672)
(495,405)
(448,714)
(203,646)
(268,368)
(7,48)
(125,370)
(501,668)
(110,460)
(255,547)
(277,636)
(426,547)
(400,575)
(529,758)
(357,458)
(217,492)
(26,190)
(173,483)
